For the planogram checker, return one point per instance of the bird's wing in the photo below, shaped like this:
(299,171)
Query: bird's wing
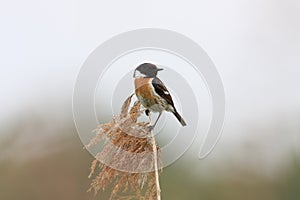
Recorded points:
(161,90)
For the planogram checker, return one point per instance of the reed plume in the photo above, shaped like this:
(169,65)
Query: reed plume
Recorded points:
(128,163)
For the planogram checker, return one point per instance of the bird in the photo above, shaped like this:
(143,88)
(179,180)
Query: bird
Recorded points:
(152,93)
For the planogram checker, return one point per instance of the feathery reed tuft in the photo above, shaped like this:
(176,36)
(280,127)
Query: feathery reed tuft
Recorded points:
(128,162)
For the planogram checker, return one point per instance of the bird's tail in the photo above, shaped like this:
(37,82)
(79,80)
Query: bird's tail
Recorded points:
(180,119)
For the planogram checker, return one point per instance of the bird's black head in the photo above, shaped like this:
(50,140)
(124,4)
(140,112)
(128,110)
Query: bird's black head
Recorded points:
(147,70)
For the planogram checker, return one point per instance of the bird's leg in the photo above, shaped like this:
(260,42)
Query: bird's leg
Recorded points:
(152,127)
(147,112)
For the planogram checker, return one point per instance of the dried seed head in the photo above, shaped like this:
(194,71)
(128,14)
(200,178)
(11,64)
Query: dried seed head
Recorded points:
(127,146)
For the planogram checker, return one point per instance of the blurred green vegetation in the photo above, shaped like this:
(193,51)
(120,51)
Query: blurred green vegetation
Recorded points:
(236,186)
(60,168)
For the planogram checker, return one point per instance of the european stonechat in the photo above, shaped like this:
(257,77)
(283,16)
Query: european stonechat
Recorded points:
(152,93)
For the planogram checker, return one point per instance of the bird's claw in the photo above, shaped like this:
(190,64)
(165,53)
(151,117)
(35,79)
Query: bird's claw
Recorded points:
(150,128)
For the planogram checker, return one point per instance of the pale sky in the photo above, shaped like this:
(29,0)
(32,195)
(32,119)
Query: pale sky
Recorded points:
(255,46)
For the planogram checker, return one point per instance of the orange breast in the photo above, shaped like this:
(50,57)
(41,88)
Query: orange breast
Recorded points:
(143,88)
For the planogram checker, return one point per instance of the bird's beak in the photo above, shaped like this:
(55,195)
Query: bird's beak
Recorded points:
(159,69)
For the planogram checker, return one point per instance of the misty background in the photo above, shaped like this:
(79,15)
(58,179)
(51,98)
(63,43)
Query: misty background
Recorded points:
(255,46)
